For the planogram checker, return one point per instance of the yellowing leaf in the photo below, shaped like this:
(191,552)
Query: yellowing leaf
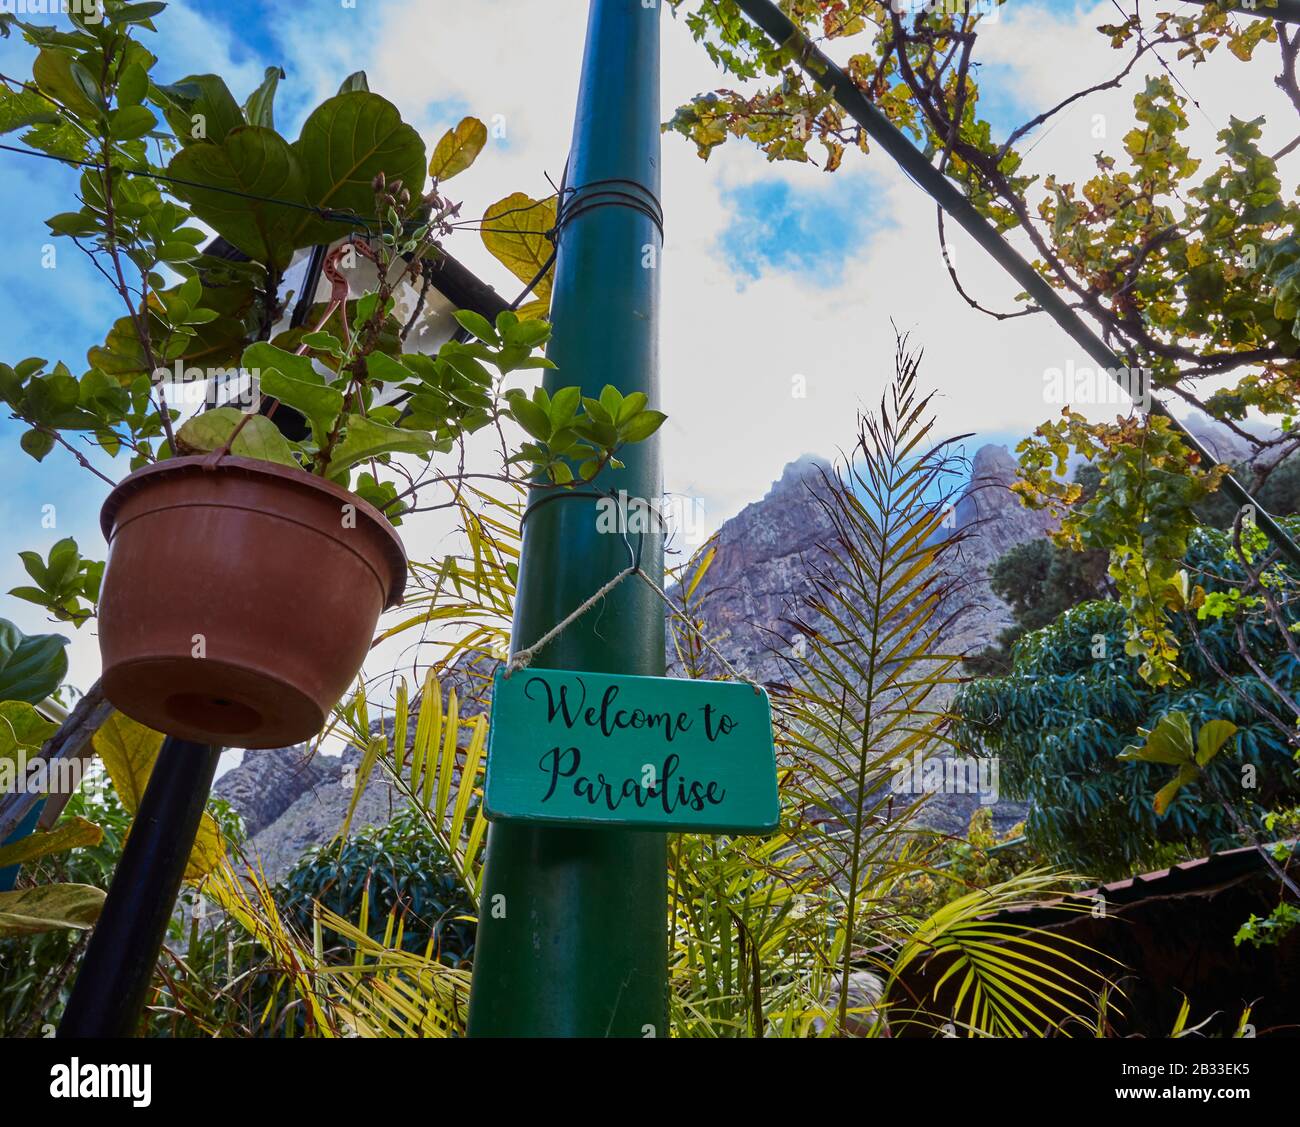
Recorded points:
(209,850)
(514,231)
(66,835)
(458,149)
(700,572)
(22,729)
(129,751)
(50,907)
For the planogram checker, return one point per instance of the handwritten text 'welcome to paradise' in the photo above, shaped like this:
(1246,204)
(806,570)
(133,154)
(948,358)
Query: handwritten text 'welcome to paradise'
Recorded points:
(567,705)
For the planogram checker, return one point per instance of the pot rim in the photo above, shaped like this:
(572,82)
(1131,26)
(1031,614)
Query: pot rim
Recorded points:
(270,472)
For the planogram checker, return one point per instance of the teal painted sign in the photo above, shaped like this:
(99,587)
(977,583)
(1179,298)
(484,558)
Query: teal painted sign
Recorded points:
(655,753)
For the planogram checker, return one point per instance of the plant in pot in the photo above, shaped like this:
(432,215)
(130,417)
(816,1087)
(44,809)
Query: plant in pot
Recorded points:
(247,569)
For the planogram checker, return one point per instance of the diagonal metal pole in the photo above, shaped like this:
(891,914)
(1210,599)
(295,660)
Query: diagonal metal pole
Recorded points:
(113,982)
(914,163)
(572,937)
(1284,11)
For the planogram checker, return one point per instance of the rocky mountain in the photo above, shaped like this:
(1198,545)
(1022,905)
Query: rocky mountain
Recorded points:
(290,802)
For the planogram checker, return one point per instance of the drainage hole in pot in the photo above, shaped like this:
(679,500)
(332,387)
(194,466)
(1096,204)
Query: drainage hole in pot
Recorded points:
(217,714)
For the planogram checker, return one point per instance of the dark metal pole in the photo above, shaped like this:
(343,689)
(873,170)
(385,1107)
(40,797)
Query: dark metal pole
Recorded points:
(917,166)
(573,923)
(118,967)
(1284,11)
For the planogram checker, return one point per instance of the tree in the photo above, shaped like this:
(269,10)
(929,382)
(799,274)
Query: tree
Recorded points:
(1279,493)
(1073,701)
(1039,581)
(1185,263)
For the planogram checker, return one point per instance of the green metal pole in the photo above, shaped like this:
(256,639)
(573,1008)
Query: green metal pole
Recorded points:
(572,936)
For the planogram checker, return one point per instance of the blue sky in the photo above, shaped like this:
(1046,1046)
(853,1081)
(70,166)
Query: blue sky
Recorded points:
(809,232)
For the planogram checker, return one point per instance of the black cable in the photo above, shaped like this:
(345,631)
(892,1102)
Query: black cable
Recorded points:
(579,203)
(560,494)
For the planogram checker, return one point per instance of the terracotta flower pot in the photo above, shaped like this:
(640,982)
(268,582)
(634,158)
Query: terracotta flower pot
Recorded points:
(239,601)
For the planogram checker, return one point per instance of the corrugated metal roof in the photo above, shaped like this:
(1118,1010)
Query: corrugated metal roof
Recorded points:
(1201,875)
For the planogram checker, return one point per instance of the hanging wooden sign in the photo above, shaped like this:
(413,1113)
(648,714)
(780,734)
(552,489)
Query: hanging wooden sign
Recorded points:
(655,753)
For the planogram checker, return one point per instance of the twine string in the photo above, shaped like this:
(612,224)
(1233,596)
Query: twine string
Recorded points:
(523,658)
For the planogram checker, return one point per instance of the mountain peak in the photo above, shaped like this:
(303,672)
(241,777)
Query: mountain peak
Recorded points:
(993,462)
(807,468)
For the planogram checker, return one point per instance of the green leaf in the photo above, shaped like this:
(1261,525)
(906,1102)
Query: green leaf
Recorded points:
(323,342)
(51,907)
(178,252)
(62,139)
(53,72)
(136,13)
(466,365)
(1167,793)
(345,142)
(458,149)
(531,417)
(355,81)
(1211,738)
(564,407)
(382,495)
(11,384)
(253,161)
(470,396)
(364,438)
(29,367)
(199,108)
(260,108)
(382,367)
(76,223)
(296,383)
(258,438)
(596,411)
(612,400)
(31,667)
(642,426)
(1170,742)
(37,443)
(22,729)
(477,324)
(528,334)
(63,565)
(631,406)
(130,122)
(21,108)
(133,86)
